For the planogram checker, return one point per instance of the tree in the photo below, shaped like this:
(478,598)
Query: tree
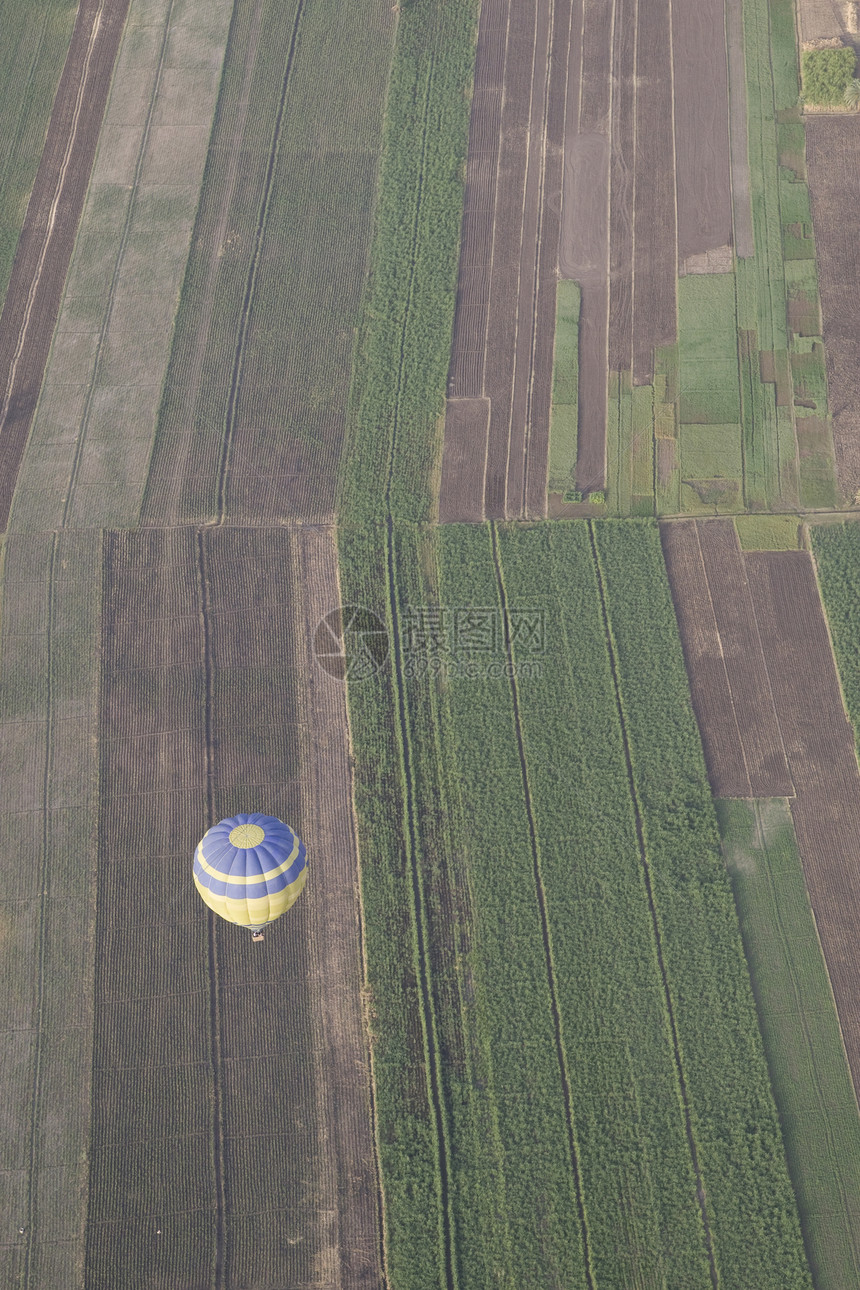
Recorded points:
(827,73)
(852,94)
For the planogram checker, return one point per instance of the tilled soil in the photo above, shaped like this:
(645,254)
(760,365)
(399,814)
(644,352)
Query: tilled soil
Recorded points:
(819,745)
(48,233)
(833,159)
(246,1064)
(767,698)
(701,97)
(728,674)
(633,93)
(505,317)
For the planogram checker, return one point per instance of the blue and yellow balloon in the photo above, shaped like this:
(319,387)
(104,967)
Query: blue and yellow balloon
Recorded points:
(250,869)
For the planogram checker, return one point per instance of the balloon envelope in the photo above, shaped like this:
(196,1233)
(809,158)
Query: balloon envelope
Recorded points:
(250,868)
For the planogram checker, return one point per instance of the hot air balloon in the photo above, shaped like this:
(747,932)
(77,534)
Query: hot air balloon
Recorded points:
(250,869)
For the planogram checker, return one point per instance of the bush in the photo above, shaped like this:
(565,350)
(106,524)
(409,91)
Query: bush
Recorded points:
(827,73)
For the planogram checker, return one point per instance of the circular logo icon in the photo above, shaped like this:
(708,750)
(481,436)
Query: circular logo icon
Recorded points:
(351,642)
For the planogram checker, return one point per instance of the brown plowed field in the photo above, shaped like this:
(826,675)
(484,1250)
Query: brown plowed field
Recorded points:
(764,684)
(637,102)
(464,459)
(728,675)
(820,748)
(701,127)
(833,159)
(655,263)
(505,316)
(48,234)
(231,1080)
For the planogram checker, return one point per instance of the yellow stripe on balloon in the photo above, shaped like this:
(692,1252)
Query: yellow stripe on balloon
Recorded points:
(250,879)
(257,911)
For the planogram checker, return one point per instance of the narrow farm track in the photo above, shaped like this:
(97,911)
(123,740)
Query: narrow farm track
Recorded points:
(561,1052)
(658,940)
(47,237)
(36,1110)
(217,1131)
(253,270)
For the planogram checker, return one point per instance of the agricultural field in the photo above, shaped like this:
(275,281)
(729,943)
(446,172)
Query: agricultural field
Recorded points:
(577,808)
(833,145)
(253,414)
(768,701)
(671,189)
(210,1129)
(836,551)
(35,44)
(33,283)
(313,298)
(809,1072)
(86,460)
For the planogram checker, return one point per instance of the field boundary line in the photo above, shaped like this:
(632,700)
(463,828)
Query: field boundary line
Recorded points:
(655,922)
(561,1051)
(801,1014)
(253,270)
(36,1080)
(120,258)
(428,1026)
(217,1127)
(52,214)
(90,971)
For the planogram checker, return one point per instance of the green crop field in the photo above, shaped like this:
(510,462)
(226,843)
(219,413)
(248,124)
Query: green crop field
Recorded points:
(768,532)
(836,548)
(809,1071)
(34,46)
(404,343)
(90,445)
(510,827)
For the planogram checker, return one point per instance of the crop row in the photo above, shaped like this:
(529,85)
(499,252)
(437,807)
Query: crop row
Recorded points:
(809,1070)
(404,344)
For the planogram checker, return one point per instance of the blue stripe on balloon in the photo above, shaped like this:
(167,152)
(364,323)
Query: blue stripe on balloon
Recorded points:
(242,891)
